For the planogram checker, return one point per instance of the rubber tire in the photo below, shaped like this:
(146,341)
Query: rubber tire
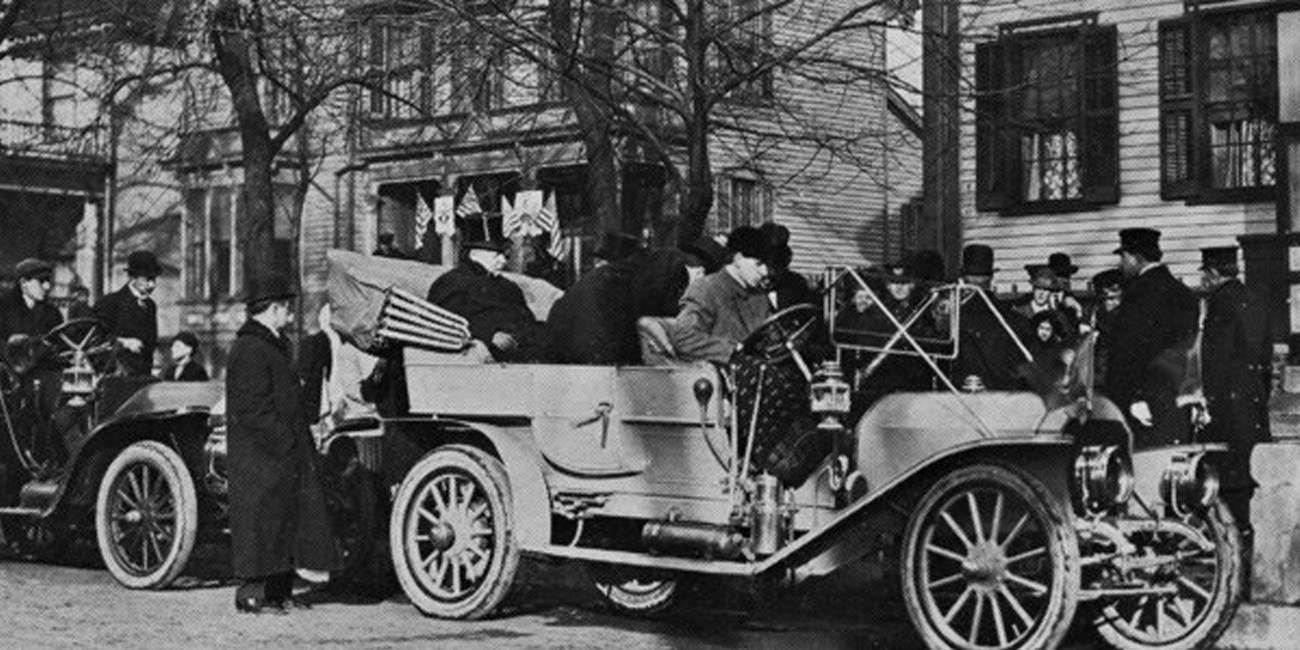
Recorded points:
(490,478)
(172,469)
(1228,588)
(1062,542)
(357,534)
(652,601)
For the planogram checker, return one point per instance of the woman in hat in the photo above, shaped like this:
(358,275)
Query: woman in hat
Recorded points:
(184,366)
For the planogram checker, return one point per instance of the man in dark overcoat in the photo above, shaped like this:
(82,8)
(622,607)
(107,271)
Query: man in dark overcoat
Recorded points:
(26,311)
(1235,387)
(986,350)
(495,307)
(278,520)
(131,316)
(1155,327)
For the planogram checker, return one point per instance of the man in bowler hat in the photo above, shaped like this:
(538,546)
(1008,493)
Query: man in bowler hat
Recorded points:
(131,316)
(278,520)
(495,307)
(1155,327)
(1232,359)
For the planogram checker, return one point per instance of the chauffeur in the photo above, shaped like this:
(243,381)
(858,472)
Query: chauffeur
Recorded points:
(1154,328)
(278,520)
(131,315)
(721,309)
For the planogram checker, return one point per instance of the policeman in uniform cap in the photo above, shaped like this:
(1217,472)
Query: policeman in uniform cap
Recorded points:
(1232,356)
(1154,328)
(131,316)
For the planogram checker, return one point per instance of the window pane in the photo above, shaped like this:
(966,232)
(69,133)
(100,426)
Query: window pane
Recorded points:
(1240,102)
(196,203)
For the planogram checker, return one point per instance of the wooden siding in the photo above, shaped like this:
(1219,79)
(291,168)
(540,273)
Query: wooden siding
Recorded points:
(1091,236)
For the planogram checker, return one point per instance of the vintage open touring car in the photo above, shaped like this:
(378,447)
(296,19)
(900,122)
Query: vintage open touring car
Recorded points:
(1020,511)
(140,462)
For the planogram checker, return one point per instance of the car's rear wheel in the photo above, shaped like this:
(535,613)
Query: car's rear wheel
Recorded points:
(635,593)
(990,562)
(1203,576)
(146,516)
(451,534)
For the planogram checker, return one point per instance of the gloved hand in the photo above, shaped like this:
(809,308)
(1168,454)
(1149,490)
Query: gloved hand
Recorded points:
(1141,411)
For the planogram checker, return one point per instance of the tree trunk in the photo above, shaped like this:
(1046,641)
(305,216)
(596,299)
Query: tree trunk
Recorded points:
(601,180)
(233,48)
(697,191)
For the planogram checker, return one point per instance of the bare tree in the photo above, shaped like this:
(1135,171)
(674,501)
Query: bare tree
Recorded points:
(674,73)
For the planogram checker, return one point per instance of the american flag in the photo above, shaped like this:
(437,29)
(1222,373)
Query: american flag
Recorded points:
(549,220)
(469,204)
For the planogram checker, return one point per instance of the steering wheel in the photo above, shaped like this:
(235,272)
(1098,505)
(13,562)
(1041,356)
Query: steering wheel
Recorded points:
(783,332)
(88,336)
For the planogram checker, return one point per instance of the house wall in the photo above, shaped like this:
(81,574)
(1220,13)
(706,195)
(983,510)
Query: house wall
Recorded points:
(1091,236)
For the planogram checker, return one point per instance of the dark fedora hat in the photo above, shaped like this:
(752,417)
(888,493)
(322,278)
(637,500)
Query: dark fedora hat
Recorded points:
(615,246)
(265,287)
(1061,264)
(1218,257)
(142,264)
(977,259)
(484,233)
(33,268)
(1143,241)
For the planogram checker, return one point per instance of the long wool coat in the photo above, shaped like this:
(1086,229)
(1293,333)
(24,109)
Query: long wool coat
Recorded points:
(717,313)
(1231,369)
(491,303)
(1155,326)
(278,520)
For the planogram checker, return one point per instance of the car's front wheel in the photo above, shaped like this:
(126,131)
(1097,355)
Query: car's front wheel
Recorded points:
(451,534)
(990,562)
(146,516)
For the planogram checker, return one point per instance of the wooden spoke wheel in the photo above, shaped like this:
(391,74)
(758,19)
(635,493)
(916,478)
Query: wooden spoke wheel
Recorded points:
(146,516)
(635,593)
(452,534)
(1204,588)
(990,561)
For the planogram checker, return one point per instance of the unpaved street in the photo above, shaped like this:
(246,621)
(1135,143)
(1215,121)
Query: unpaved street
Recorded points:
(78,605)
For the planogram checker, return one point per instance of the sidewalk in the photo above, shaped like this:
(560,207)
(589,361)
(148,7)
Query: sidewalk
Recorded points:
(1260,626)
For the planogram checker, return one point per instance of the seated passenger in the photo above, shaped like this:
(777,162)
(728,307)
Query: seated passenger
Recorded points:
(495,307)
(720,310)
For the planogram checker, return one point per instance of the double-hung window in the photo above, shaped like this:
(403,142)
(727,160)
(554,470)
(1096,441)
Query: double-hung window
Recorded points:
(1218,105)
(1046,130)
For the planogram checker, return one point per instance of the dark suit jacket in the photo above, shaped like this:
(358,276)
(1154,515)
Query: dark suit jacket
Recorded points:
(191,371)
(127,318)
(16,318)
(1154,327)
(1233,376)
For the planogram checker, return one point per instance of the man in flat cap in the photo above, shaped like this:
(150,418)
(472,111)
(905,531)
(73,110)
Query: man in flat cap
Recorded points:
(1233,360)
(495,307)
(27,311)
(721,309)
(1155,327)
(131,316)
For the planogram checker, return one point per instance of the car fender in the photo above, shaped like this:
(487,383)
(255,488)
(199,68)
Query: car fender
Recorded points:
(529,494)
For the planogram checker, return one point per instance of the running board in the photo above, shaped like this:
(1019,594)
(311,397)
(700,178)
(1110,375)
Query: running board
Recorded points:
(21,511)
(625,558)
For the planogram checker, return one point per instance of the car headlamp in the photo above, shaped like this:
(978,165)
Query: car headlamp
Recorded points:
(1190,484)
(1103,478)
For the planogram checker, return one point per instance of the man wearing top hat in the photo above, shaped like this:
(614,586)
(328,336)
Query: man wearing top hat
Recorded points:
(1235,388)
(495,307)
(986,350)
(1064,269)
(131,316)
(278,520)
(1154,328)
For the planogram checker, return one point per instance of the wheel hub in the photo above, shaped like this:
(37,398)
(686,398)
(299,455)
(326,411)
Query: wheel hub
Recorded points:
(985,564)
(442,535)
(134,517)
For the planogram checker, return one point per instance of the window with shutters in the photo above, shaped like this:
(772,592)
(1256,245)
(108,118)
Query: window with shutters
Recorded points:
(1047,134)
(742,199)
(1218,106)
